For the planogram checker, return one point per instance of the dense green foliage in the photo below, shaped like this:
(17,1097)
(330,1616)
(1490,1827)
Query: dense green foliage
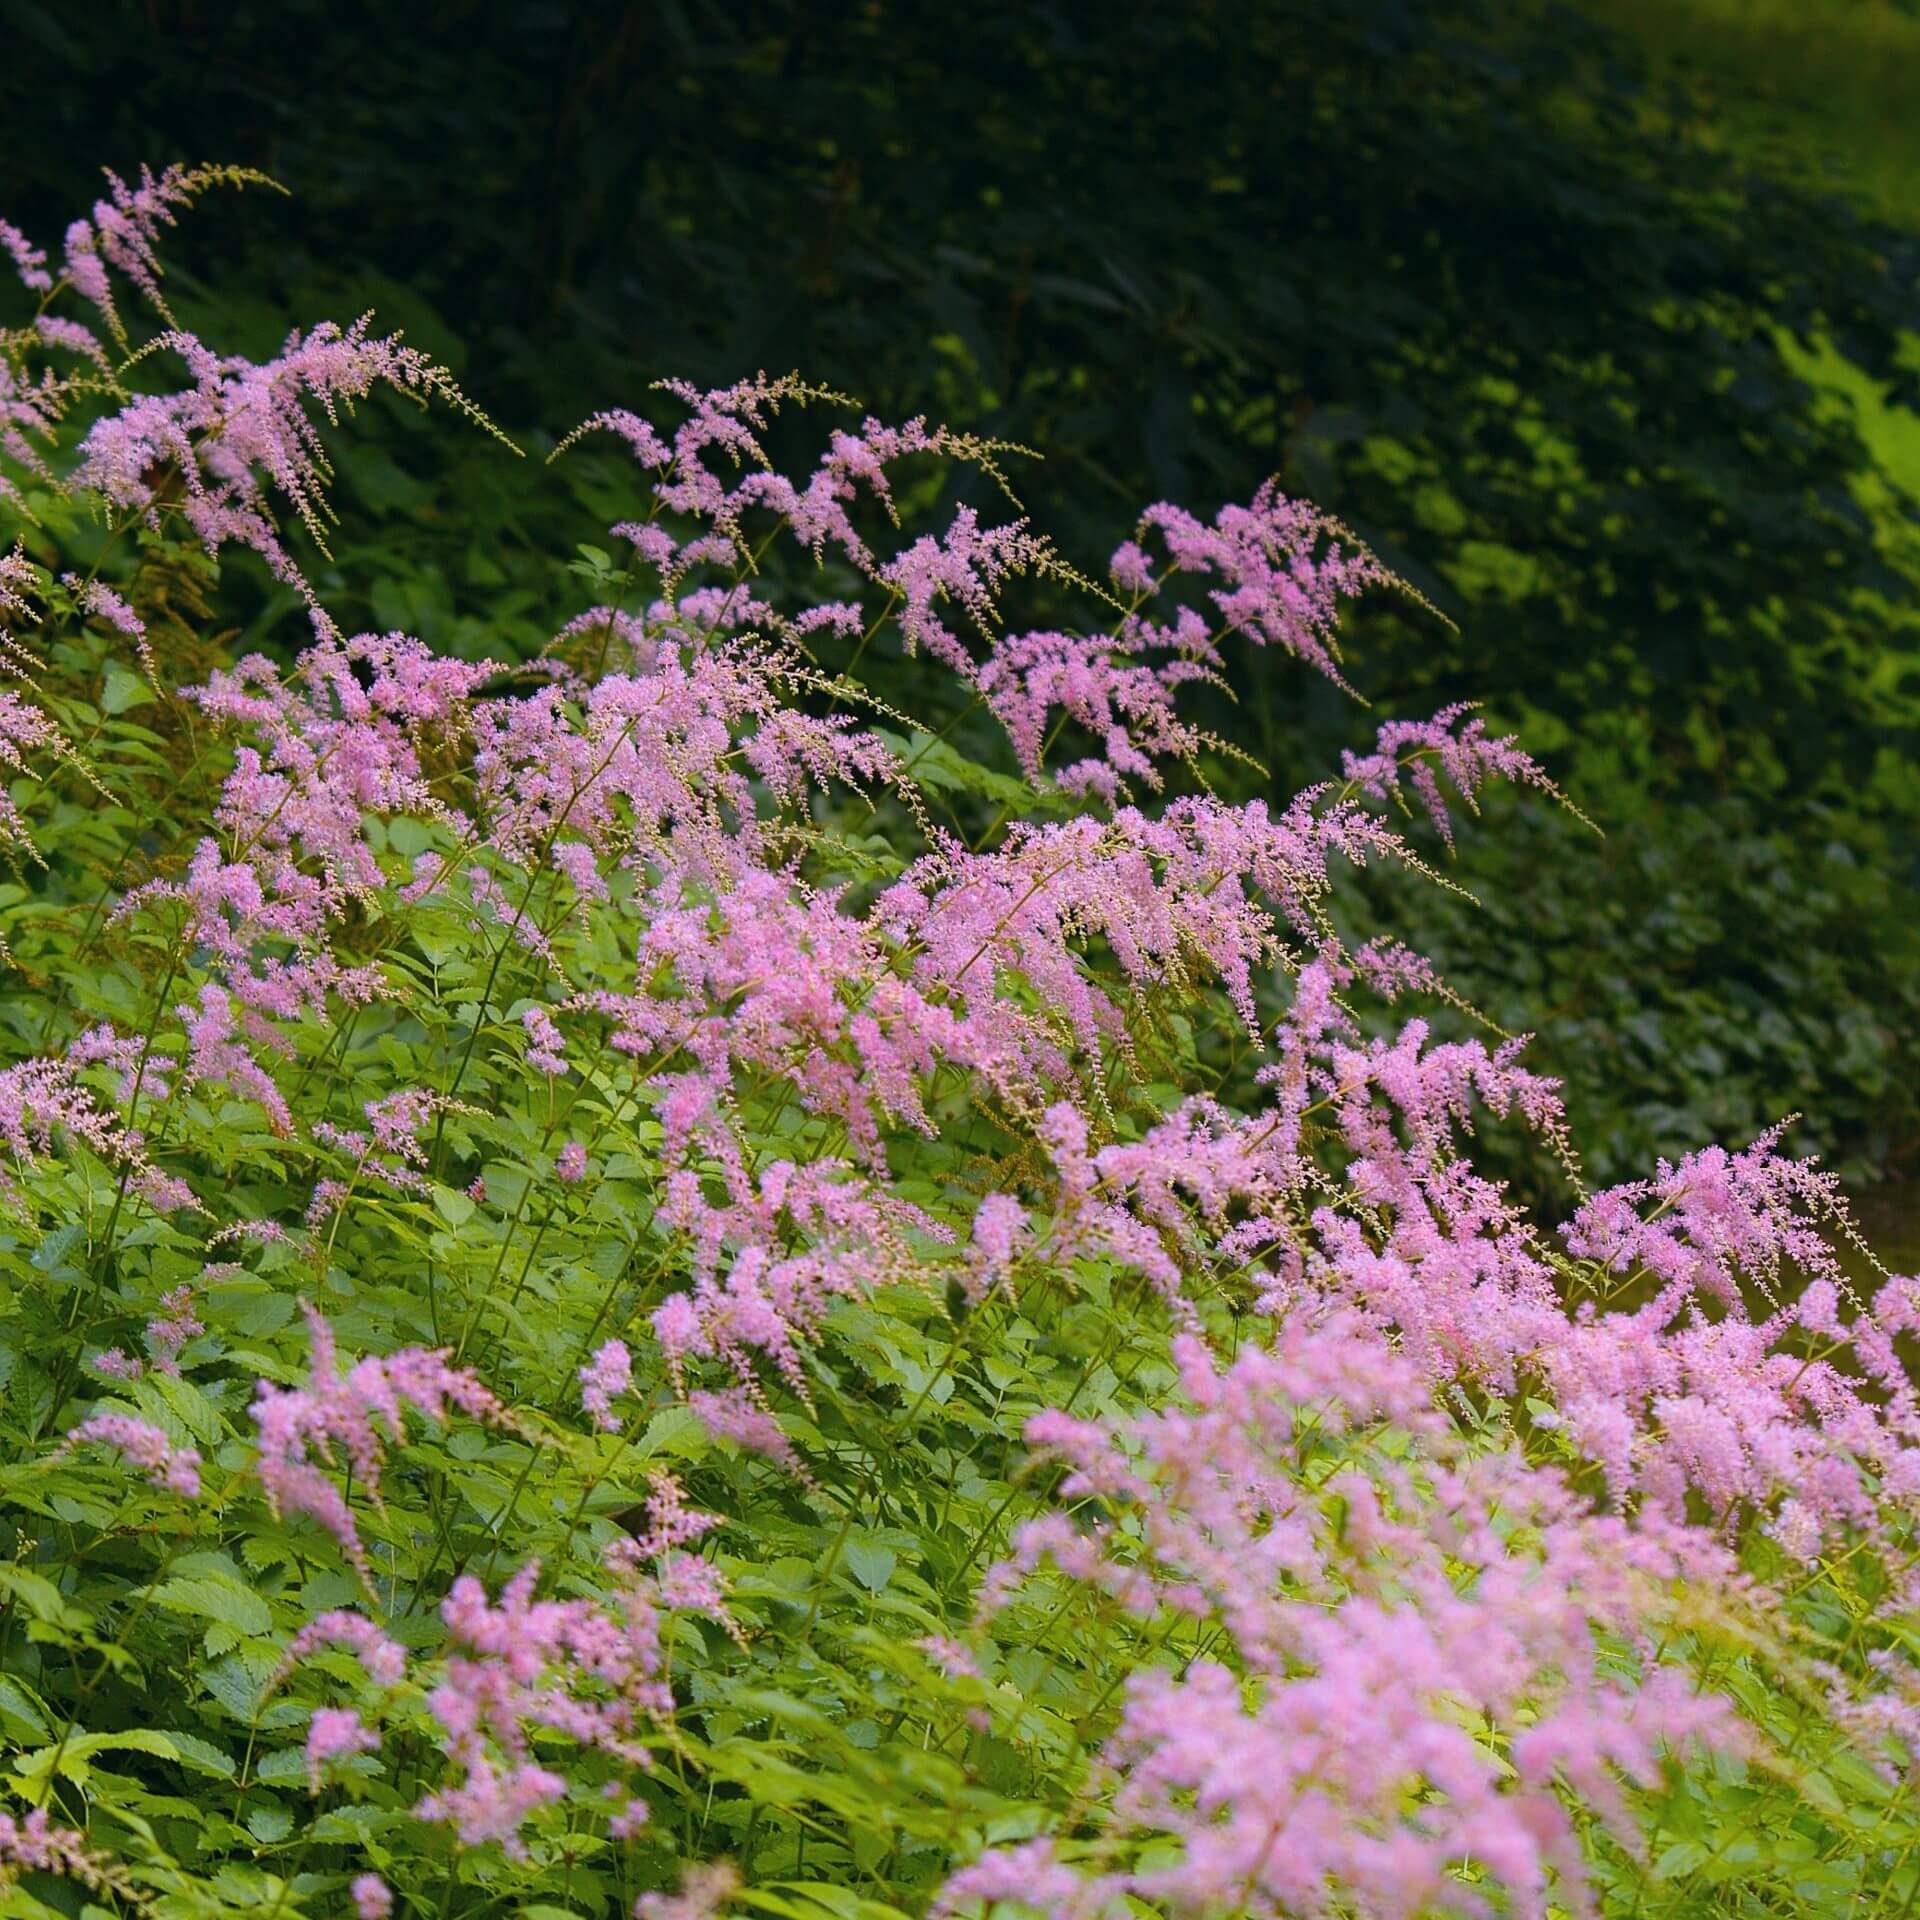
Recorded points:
(1450,271)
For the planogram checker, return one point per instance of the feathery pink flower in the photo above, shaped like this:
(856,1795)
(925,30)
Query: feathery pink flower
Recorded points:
(171,1469)
(349,1419)
(589,1671)
(705,1888)
(384,1659)
(31,1843)
(608,1374)
(335,1734)
(1365,1596)
(372,1897)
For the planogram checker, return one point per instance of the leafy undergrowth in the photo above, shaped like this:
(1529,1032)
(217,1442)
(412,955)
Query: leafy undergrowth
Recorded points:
(649,1280)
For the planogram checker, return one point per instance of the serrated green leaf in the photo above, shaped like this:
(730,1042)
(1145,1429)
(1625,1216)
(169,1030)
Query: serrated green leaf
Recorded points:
(213,1597)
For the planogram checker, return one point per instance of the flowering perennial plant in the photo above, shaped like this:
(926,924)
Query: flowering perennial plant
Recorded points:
(780,1260)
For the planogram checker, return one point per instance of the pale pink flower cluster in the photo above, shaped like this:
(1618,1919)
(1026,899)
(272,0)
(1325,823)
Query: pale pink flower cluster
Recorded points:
(602,1380)
(1678,1391)
(546,1046)
(1455,742)
(96,597)
(242,433)
(335,1734)
(123,231)
(735,1414)
(1802,1412)
(171,1329)
(321,754)
(166,1333)
(1277,573)
(21,582)
(388,1150)
(999,1232)
(1107,688)
(798,1239)
(372,1897)
(30,407)
(349,1419)
(220,1052)
(705,1888)
(384,1659)
(24,730)
(1282,569)
(1283,572)
(1420,1642)
(31,1843)
(951,1657)
(591,1671)
(171,1469)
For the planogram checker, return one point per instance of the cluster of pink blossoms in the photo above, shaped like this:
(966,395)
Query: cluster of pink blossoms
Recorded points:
(351,1418)
(592,1672)
(607,1375)
(44,1105)
(1421,1647)
(33,1844)
(170,1468)
(167,1332)
(241,432)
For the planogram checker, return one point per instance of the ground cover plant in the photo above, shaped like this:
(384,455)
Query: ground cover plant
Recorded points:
(769,1261)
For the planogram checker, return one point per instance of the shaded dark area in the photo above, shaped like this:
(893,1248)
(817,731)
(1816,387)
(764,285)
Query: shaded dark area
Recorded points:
(1450,271)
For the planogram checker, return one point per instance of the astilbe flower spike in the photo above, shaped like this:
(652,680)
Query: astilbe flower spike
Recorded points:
(171,1469)
(1455,742)
(171,1329)
(241,432)
(335,1734)
(705,1888)
(607,1375)
(384,1659)
(372,1897)
(591,1672)
(1282,567)
(31,1843)
(350,1419)
(124,226)
(96,597)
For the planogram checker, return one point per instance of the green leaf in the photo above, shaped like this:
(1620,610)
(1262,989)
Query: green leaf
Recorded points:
(214,1597)
(202,1755)
(70,1757)
(677,1431)
(269,1821)
(42,1598)
(51,1254)
(453,1207)
(809,1897)
(125,691)
(869,1563)
(21,1711)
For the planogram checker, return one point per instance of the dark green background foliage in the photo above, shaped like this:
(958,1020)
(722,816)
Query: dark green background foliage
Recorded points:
(1580,372)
